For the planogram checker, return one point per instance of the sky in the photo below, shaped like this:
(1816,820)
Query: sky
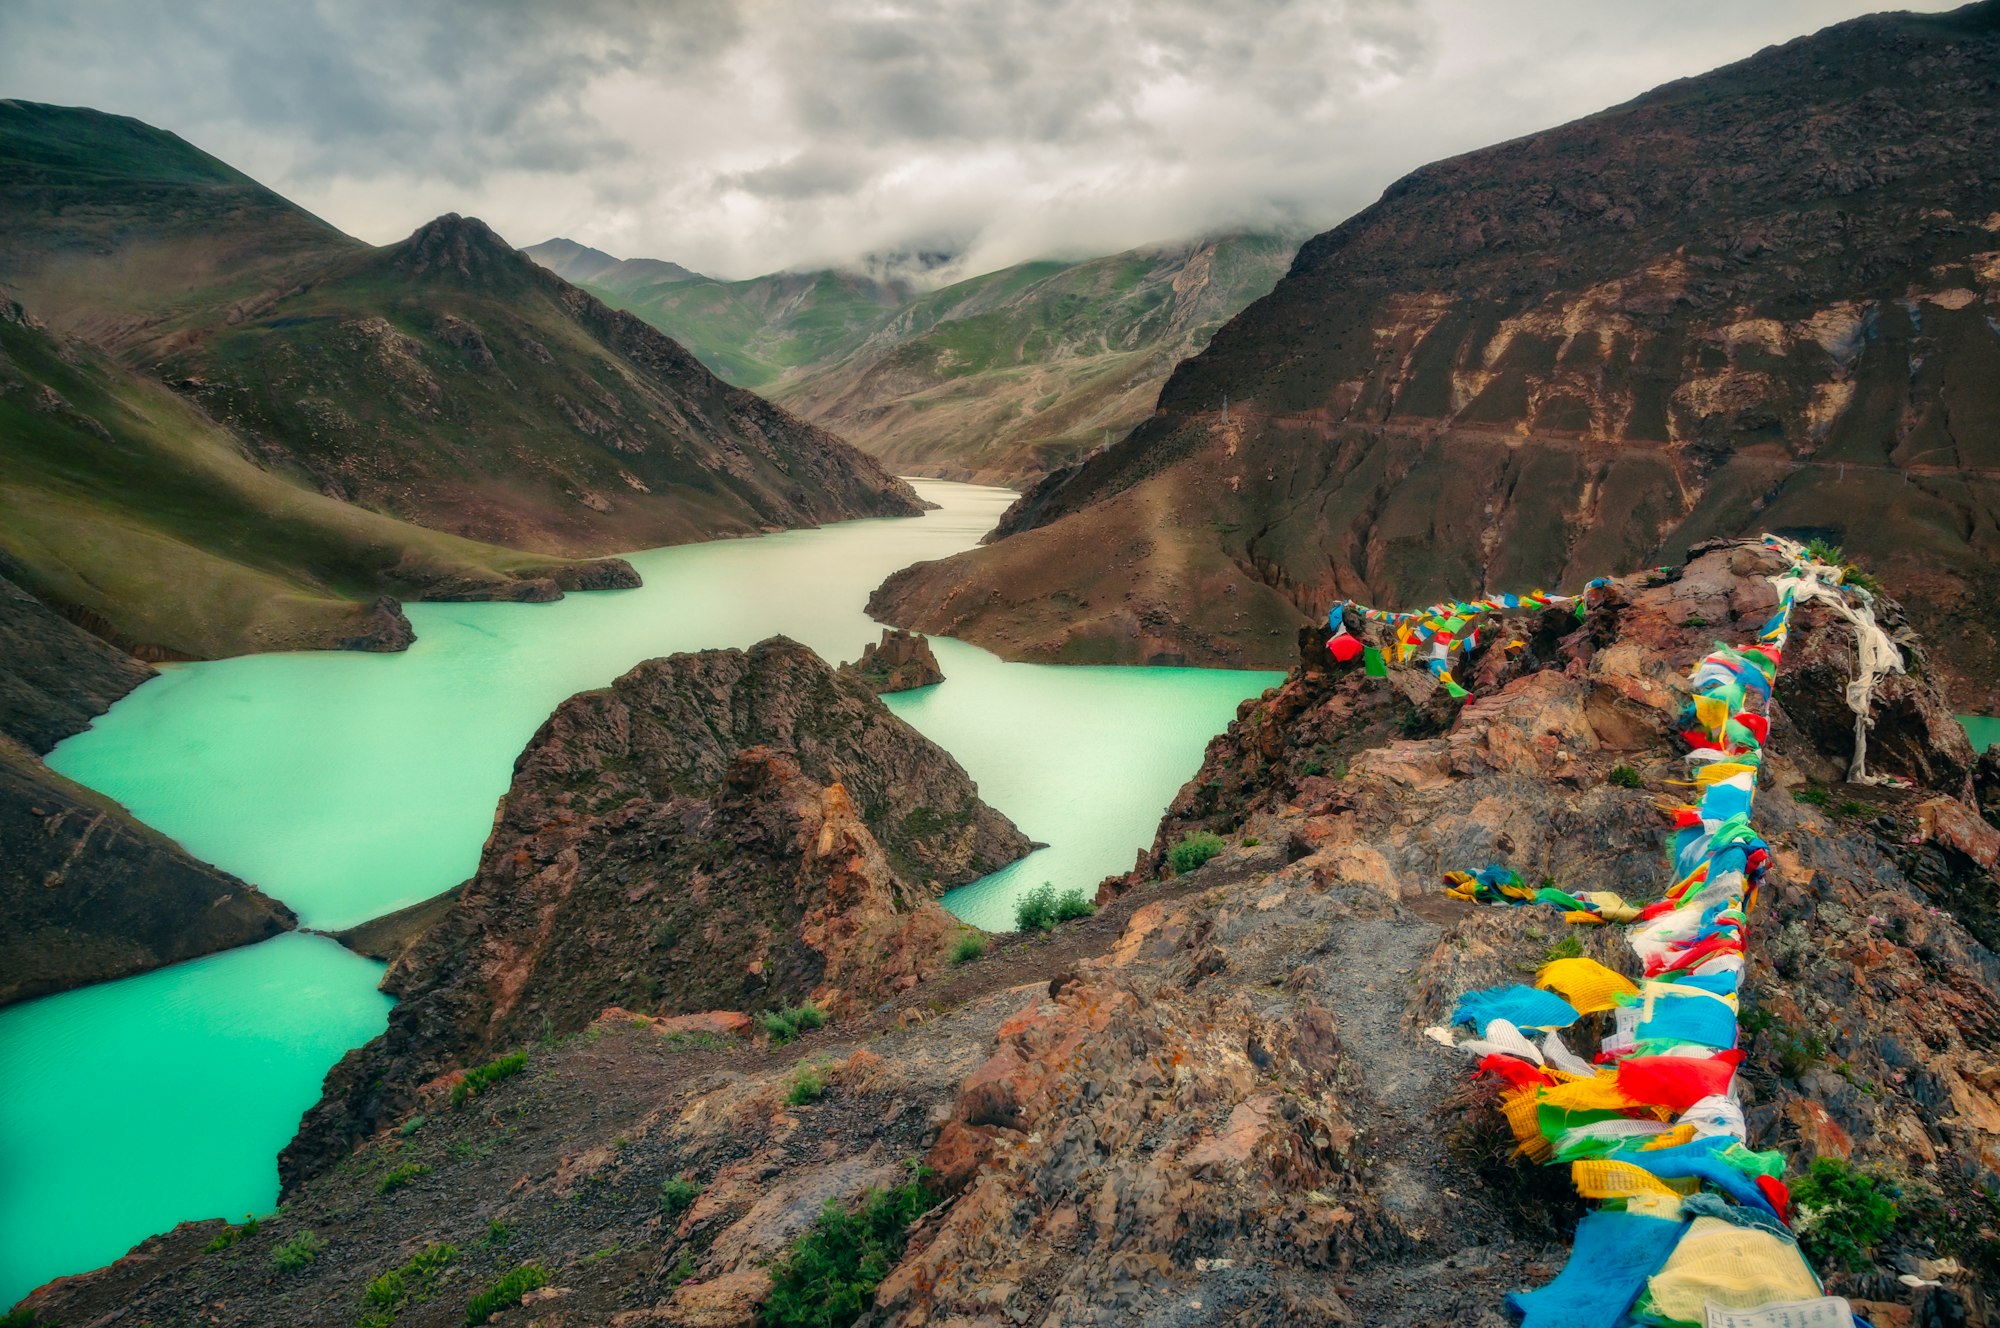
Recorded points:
(930,140)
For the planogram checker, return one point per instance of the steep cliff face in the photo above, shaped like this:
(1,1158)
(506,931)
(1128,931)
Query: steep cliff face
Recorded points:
(1762,298)
(86,892)
(729,829)
(1214,1102)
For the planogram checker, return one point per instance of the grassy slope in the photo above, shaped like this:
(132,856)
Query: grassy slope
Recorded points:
(444,380)
(999,377)
(122,499)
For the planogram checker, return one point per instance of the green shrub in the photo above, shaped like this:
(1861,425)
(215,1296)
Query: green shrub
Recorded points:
(1813,795)
(1569,947)
(506,1293)
(478,1080)
(23,1318)
(1850,807)
(677,1195)
(1073,904)
(411,1126)
(1624,776)
(808,1086)
(1694,620)
(827,1279)
(229,1235)
(1193,851)
(415,1280)
(498,1232)
(1036,910)
(970,947)
(297,1252)
(1841,1214)
(784,1025)
(1825,551)
(402,1176)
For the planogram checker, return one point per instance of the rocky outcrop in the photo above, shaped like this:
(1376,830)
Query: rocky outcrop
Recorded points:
(86,892)
(89,894)
(1214,1103)
(723,830)
(54,676)
(900,662)
(1761,299)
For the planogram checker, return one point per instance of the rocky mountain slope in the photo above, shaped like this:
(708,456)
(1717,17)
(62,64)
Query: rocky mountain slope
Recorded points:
(86,892)
(1214,1102)
(136,512)
(1764,298)
(742,829)
(446,380)
(997,379)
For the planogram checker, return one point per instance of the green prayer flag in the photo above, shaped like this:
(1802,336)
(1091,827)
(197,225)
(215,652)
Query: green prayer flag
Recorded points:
(1455,689)
(1372,663)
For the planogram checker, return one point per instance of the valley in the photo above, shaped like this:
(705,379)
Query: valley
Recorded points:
(996,379)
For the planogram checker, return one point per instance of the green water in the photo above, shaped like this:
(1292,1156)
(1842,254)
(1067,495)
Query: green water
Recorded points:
(130,1106)
(349,785)
(1984,730)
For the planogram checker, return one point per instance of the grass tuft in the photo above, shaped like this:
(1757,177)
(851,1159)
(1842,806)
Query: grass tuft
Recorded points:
(1193,851)
(785,1025)
(483,1077)
(827,1279)
(970,946)
(677,1195)
(1624,776)
(298,1252)
(506,1293)
(402,1176)
(808,1085)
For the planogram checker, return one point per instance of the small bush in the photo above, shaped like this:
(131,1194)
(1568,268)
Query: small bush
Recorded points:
(1694,620)
(970,947)
(1842,1214)
(1036,910)
(808,1086)
(1624,776)
(827,1279)
(498,1232)
(402,1176)
(785,1025)
(506,1293)
(677,1195)
(1193,851)
(23,1318)
(1073,904)
(1813,795)
(1852,808)
(231,1234)
(478,1080)
(297,1252)
(413,1281)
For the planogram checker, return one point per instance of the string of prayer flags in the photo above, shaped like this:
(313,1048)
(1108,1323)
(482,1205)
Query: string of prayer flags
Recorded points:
(1696,1221)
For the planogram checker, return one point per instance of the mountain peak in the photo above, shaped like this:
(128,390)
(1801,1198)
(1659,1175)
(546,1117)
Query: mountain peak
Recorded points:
(451,243)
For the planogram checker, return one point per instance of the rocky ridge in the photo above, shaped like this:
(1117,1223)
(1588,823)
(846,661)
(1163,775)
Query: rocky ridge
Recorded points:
(729,829)
(1760,299)
(1213,1103)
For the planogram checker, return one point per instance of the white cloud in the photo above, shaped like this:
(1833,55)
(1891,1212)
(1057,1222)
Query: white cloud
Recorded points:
(791,133)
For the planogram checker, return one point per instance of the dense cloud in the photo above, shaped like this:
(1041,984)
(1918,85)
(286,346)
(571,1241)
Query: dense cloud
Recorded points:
(779,133)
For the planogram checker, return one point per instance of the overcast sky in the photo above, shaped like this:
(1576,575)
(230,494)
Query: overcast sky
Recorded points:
(772,134)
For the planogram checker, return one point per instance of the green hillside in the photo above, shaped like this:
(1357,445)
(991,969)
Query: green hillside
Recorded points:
(128,504)
(999,378)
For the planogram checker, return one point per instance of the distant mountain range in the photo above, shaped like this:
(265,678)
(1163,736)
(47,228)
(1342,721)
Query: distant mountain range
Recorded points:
(998,378)
(1764,298)
(227,426)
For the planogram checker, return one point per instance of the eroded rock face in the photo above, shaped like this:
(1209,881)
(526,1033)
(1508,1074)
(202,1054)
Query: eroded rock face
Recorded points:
(724,830)
(1758,299)
(900,662)
(1223,1111)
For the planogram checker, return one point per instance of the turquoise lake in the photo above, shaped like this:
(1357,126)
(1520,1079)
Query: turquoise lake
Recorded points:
(1984,730)
(349,785)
